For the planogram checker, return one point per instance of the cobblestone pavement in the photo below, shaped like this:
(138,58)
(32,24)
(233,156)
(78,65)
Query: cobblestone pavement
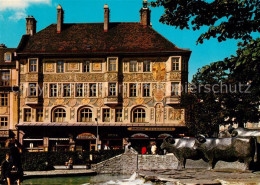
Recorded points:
(199,176)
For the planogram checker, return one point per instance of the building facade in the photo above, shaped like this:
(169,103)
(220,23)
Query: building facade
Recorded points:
(96,85)
(8,94)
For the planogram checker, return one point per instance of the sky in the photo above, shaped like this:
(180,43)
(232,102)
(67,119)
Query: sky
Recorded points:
(13,13)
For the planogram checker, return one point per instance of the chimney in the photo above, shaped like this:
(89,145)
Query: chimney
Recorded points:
(60,17)
(2,46)
(30,25)
(106,17)
(145,15)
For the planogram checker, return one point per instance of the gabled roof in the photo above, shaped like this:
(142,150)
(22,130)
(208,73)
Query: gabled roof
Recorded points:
(91,38)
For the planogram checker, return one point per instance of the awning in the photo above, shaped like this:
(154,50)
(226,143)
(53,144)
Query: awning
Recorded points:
(139,136)
(86,136)
(162,136)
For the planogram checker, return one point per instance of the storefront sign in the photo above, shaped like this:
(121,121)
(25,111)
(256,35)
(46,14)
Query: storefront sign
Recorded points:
(4,133)
(150,129)
(86,136)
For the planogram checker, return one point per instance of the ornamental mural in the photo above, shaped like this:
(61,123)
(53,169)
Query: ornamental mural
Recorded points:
(176,114)
(159,71)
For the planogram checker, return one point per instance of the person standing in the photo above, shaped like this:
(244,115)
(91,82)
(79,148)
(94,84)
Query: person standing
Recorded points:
(70,164)
(6,168)
(144,150)
(15,158)
(153,149)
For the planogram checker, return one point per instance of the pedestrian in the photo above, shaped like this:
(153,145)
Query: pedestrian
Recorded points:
(144,150)
(6,168)
(15,158)
(70,164)
(153,149)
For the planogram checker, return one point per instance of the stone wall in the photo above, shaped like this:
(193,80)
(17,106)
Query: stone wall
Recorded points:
(157,162)
(123,164)
(129,163)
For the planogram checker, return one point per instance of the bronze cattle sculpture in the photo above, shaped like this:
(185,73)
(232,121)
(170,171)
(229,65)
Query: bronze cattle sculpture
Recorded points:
(226,149)
(182,148)
(243,132)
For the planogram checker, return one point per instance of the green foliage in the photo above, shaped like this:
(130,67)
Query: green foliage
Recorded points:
(234,95)
(40,161)
(225,19)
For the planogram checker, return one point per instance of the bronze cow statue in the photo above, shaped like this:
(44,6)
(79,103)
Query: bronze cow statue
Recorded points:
(243,132)
(182,148)
(227,149)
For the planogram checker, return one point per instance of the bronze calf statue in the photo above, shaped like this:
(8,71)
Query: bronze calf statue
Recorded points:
(182,148)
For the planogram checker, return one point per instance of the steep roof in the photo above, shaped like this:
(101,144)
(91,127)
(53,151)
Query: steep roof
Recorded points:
(91,38)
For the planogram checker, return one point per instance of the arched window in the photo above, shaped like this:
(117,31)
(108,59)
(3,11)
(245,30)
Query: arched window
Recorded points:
(85,115)
(139,115)
(59,115)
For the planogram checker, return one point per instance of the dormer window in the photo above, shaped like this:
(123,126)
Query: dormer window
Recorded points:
(8,57)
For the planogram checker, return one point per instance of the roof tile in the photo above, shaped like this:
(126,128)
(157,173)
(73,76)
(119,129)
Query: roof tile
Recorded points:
(90,37)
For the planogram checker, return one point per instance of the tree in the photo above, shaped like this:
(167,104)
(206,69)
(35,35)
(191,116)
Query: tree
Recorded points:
(225,19)
(209,104)
(226,92)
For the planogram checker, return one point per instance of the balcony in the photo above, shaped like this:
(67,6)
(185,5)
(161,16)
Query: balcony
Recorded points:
(31,100)
(111,100)
(173,100)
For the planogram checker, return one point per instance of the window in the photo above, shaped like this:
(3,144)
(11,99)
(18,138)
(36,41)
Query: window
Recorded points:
(85,115)
(106,115)
(133,66)
(8,57)
(146,90)
(139,115)
(32,89)
(147,66)
(59,115)
(112,64)
(93,90)
(79,90)
(4,78)
(119,115)
(86,66)
(66,90)
(39,115)
(175,89)
(112,89)
(4,121)
(27,115)
(53,90)
(33,65)
(175,64)
(60,67)
(133,90)
(3,99)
